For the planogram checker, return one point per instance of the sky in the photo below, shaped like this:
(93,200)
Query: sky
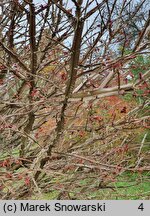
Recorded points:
(44,1)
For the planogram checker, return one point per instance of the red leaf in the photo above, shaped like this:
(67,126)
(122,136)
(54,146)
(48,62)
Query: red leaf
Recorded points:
(20,176)
(1,82)
(117,65)
(8,175)
(97,118)
(63,76)
(124,110)
(27,180)
(36,135)
(34,92)
(126,148)
(1,187)
(132,57)
(18,162)
(6,163)
(81,133)
(140,170)
(69,11)
(118,168)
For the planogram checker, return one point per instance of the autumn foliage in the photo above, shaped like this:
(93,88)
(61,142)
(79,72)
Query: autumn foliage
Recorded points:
(74,83)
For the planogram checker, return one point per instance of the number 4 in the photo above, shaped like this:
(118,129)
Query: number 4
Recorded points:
(141,207)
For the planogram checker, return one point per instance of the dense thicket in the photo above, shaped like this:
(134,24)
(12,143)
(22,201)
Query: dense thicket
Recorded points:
(74,78)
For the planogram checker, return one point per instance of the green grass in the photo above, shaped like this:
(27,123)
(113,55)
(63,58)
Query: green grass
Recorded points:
(5,155)
(46,196)
(131,186)
(79,185)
